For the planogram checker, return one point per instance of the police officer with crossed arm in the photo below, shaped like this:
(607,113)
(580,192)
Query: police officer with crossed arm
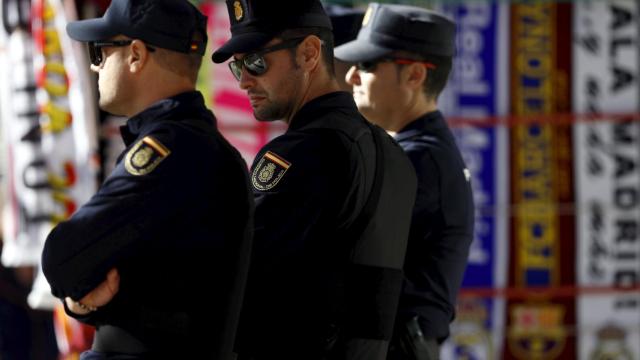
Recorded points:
(403,57)
(333,195)
(173,221)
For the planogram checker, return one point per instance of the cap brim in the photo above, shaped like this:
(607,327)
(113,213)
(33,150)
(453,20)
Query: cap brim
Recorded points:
(90,30)
(238,44)
(358,50)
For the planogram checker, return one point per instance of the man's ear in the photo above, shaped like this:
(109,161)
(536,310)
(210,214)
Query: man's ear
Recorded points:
(309,52)
(138,56)
(416,75)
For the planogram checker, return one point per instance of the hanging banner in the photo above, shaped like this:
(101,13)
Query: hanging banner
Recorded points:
(606,80)
(23,209)
(542,239)
(51,121)
(230,103)
(477,90)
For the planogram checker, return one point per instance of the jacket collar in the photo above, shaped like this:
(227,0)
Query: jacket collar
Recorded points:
(187,105)
(424,123)
(314,109)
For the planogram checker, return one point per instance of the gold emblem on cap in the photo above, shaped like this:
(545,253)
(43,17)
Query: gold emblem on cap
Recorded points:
(237,10)
(367,16)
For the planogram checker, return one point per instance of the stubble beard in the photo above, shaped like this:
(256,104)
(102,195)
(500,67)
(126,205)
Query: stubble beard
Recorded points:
(272,110)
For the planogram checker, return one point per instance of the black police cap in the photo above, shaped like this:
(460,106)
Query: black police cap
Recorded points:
(388,28)
(168,24)
(256,22)
(346,22)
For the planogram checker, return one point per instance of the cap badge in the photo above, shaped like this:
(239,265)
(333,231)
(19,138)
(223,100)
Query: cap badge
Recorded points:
(145,156)
(367,16)
(237,10)
(270,169)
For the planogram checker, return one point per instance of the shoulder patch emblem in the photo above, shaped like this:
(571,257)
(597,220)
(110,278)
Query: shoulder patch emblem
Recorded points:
(269,171)
(145,156)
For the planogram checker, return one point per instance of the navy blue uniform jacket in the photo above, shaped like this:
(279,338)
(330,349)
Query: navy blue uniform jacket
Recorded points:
(316,284)
(175,218)
(441,225)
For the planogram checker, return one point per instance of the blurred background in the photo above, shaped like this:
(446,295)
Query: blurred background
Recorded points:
(544,100)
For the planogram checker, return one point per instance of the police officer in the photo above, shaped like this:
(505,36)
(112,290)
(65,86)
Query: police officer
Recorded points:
(333,196)
(173,221)
(403,58)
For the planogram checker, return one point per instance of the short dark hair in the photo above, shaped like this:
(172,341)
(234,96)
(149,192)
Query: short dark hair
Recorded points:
(186,65)
(325,35)
(436,78)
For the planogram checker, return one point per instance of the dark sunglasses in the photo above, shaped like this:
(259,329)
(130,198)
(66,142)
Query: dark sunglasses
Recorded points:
(255,63)
(95,49)
(372,65)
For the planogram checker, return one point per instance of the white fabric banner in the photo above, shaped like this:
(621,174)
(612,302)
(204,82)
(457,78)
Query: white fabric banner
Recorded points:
(607,168)
(68,119)
(22,152)
(50,124)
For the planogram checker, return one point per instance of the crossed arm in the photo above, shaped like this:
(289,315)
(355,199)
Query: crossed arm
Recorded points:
(99,296)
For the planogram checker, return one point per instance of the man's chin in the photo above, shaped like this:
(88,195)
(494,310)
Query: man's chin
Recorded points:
(266,114)
(264,118)
(109,108)
(105,106)
(363,108)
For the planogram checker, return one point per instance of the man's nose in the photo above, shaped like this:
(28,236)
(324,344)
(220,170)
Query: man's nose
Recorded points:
(353,76)
(247,80)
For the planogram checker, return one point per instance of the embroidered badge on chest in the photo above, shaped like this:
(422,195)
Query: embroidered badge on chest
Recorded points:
(269,171)
(145,156)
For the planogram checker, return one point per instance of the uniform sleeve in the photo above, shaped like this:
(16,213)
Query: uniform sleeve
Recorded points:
(148,186)
(441,233)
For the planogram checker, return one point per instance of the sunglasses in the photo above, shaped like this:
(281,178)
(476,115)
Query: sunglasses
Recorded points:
(255,63)
(95,49)
(372,65)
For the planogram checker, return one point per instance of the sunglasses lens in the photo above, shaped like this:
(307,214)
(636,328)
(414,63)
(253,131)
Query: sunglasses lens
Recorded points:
(255,64)
(367,66)
(95,54)
(236,68)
